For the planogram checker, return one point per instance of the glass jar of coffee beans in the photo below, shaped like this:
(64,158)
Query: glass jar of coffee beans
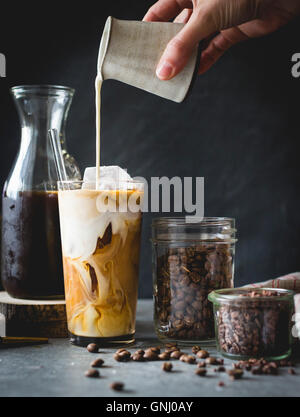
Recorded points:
(189,261)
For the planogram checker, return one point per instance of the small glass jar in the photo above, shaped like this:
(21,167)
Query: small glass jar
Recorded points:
(253,323)
(189,261)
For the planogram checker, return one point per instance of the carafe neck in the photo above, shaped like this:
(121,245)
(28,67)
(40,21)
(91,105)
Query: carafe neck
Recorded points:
(41,108)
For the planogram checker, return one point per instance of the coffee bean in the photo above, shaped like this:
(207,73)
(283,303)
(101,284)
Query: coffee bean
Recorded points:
(164,356)
(138,357)
(188,359)
(196,349)
(291,371)
(122,356)
(92,373)
(201,364)
(200,372)
(97,363)
(235,373)
(167,367)
(93,348)
(221,384)
(155,349)
(139,352)
(220,369)
(176,354)
(257,370)
(202,354)
(117,386)
(269,370)
(171,349)
(211,360)
(149,355)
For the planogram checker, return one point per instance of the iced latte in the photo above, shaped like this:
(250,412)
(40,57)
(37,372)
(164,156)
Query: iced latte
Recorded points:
(100,231)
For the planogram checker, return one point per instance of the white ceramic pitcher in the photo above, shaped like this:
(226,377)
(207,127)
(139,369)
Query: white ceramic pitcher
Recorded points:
(130,51)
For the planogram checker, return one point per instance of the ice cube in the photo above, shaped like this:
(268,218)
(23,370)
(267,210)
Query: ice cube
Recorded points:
(111,178)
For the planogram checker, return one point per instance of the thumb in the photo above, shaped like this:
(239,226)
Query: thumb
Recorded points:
(181,47)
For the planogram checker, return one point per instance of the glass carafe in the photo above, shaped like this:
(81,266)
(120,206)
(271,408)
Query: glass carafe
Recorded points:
(31,248)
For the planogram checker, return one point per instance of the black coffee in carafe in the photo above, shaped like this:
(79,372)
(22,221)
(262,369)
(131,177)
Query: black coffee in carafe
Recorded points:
(31,249)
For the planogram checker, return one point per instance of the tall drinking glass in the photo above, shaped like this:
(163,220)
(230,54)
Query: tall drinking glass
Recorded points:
(100,232)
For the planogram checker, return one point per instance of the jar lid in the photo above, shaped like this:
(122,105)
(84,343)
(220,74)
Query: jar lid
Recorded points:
(209,230)
(242,295)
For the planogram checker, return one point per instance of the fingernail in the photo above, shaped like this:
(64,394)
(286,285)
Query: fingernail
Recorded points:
(165,70)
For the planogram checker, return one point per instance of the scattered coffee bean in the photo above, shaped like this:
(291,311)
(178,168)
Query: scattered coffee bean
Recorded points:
(220,369)
(188,359)
(202,354)
(93,348)
(150,355)
(176,354)
(138,357)
(122,356)
(155,349)
(92,373)
(259,366)
(117,386)
(167,367)
(196,349)
(171,349)
(200,372)
(164,356)
(257,370)
(221,384)
(211,361)
(201,364)
(235,373)
(97,363)
(269,370)
(291,371)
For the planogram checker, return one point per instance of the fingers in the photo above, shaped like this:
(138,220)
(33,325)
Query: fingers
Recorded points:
(180,48)
(184,16)
(164,10)
(218,45)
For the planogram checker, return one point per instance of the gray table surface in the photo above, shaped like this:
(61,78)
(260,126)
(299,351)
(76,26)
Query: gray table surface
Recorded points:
(57,369)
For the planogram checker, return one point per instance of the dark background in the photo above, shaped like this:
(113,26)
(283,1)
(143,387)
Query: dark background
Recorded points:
(239,129)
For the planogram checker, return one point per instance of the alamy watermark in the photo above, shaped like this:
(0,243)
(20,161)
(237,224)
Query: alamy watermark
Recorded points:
(296,326)
(161,194)
(296,67)
(2,66)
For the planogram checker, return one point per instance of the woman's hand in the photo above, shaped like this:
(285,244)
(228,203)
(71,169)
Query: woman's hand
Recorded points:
(221,22)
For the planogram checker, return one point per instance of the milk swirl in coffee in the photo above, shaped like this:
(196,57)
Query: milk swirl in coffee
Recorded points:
(100,228)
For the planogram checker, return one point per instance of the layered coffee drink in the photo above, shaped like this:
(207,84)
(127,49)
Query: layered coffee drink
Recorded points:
(100,222)
(100,231)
